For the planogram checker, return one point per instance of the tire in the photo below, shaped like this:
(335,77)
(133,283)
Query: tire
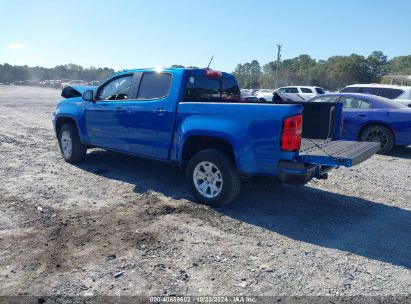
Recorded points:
(72,150)
(379,133)
(218,166)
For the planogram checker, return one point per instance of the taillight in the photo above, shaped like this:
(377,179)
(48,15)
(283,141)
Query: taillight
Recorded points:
(213,74)
(342,123)
(292,132)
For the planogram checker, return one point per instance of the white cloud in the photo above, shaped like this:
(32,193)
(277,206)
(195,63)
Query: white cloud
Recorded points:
(16,45)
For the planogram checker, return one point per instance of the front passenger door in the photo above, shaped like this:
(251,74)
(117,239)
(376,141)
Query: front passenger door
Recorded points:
(106,116)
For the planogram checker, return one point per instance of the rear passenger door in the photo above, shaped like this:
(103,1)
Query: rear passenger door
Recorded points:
(356,114)
(307,93)
(293,94)
(151,114)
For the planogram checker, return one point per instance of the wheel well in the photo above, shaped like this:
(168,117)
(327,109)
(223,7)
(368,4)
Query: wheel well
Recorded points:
(195,144)
(375,124)
(63,120)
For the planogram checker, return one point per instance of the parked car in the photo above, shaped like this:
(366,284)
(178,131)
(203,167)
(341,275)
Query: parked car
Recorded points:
(194,118)
(246,96)
(74,83)
(300,93)
(94,83)
(401,94)
(265,95)
(291,93)
(373,118)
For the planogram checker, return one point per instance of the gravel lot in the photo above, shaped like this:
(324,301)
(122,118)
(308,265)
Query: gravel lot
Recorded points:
(117,225)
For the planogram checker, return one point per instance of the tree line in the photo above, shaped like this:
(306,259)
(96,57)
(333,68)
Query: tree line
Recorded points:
(333,73)
(10,73)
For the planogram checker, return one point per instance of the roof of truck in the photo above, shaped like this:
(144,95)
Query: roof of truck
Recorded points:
(161,69)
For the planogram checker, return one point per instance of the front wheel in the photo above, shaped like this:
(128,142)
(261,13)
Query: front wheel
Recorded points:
(213,178)
(72,150)
(379,134)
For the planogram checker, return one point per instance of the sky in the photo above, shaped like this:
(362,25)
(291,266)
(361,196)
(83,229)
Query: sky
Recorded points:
(126,34)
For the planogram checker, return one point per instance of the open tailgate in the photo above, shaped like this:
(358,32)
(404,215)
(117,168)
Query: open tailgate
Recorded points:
(336,153)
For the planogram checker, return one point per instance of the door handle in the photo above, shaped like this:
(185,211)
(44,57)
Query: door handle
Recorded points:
(362,114)
(120,110)
(160,111)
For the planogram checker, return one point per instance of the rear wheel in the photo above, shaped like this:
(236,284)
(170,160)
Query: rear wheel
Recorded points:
(71,148)
(213,178)
(380,134)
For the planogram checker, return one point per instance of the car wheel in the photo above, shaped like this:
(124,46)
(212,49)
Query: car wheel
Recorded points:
(71,148)
(379,134)
(213,178)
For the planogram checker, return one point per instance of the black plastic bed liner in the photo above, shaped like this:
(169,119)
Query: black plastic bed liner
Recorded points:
(336,153)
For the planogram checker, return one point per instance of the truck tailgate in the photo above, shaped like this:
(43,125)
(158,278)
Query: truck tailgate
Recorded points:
(336,153)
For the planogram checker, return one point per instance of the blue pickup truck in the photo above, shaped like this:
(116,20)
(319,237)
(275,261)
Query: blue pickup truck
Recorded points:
(195,118)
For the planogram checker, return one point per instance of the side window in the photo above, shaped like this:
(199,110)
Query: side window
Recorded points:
(154,85)
(306,90)
(372,91)
(390,93)
(326,99)
(365,104)
(116,89)
(319,90)
(351,90)
(355,103)
(291,90)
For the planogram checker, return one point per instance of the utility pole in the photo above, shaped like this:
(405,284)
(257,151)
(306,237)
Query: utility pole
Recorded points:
(279,49)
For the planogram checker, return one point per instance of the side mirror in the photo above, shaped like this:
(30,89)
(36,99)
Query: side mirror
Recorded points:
(88,95)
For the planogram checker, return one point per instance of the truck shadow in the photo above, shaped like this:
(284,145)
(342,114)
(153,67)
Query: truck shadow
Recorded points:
(373,230)
(401,152)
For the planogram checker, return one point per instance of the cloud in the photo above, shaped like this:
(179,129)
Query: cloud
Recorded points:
(16,45)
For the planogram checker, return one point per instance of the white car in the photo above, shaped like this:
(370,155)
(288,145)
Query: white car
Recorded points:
(74,82)
(398,93)
(291,93)
(265,95)
(300,93)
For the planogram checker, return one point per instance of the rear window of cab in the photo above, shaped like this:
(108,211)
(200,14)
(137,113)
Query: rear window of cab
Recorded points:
(203,88)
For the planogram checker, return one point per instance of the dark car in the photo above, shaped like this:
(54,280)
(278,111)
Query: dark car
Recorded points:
(373,118)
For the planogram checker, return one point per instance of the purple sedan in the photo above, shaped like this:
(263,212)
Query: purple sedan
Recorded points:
(373,118)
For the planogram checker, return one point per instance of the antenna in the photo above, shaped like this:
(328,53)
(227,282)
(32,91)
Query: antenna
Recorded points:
(212,57)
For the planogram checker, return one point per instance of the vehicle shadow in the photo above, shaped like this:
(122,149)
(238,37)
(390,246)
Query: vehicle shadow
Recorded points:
(355,225)
(401,152)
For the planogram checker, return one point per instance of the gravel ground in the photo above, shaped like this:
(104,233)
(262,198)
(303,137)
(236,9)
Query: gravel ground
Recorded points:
(117,225)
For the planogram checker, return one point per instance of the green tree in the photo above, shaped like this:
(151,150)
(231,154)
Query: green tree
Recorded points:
(248,75)
(378,65)
(400,65)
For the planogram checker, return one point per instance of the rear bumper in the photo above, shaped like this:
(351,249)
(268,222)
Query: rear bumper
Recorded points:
(300,173)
